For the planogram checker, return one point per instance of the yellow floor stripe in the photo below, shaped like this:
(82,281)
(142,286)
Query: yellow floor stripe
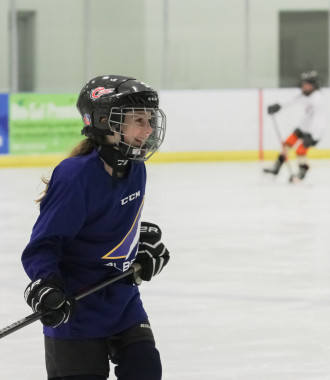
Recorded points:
(51,160)
(9,160)
(249,155)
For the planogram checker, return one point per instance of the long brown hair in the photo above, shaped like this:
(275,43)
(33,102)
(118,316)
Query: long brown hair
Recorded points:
(83,148)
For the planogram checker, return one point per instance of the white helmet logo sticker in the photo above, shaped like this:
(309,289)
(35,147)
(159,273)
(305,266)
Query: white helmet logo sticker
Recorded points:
(99,91)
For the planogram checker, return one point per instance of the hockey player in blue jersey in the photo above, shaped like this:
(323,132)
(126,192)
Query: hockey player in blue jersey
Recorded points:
(89,229)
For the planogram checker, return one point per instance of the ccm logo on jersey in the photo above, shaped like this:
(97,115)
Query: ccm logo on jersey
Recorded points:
(130,198)
(99,91)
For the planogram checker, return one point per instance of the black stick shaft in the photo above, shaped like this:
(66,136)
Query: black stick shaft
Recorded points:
(134,269)
(20,324)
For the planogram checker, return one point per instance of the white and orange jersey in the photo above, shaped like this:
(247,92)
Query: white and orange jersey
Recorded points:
(315,119)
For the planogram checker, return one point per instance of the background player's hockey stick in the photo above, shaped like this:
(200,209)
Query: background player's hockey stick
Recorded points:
(134,269)
(284,152)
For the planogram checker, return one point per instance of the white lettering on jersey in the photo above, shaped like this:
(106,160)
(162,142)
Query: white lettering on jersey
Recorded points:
(130,198)
(122,267)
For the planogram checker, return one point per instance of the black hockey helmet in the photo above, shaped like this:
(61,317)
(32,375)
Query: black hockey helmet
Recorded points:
(311,77)
(111,97)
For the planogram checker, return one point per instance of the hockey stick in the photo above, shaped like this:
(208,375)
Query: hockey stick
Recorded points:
(285,154)
(134,269)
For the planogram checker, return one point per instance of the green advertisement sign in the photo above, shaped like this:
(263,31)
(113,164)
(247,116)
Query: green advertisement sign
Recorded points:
(43,123)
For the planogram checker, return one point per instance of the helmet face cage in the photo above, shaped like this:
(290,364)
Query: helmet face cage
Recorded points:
(138,131)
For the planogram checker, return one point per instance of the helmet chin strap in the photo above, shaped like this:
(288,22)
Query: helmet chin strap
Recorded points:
(113,157)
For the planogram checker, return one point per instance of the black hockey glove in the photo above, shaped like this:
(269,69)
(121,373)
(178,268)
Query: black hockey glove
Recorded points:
(299,133)
(152,254)
(273,108)
(308,140)
(46,296)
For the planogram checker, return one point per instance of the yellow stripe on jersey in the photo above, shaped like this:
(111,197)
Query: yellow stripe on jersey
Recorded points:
(130,230)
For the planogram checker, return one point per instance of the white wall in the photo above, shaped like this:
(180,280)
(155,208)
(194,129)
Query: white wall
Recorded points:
(205,45)
(227,120)
(210,120)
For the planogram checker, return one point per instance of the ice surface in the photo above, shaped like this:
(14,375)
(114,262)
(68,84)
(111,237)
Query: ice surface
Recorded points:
(246,294)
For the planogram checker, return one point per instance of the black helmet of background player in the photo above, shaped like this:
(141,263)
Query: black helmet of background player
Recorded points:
(312,79)
(111,97)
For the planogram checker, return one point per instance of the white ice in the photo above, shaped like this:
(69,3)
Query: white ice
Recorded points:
(246,294)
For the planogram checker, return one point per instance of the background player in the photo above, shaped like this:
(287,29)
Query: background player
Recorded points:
(311,128)
(89,229)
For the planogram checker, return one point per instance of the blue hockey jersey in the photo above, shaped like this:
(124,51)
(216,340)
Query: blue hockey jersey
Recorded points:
(88,231)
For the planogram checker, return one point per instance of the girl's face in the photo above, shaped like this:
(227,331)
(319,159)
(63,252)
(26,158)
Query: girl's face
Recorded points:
(137,132)
(136,127)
